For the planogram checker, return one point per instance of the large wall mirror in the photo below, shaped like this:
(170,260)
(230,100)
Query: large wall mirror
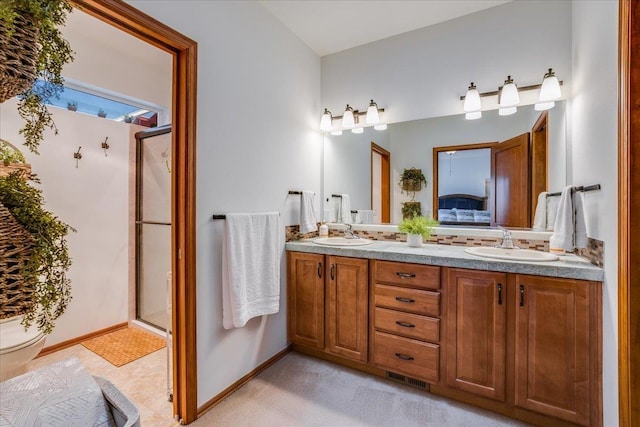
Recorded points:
(348,164)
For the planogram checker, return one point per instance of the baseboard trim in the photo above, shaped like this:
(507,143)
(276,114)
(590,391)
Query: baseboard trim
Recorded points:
(78,340)
(242,381)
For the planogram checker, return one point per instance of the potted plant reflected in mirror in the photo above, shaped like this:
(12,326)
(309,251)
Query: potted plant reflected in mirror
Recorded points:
(72,106)
(128,119)
(411,181)
(102,113)
(417,229)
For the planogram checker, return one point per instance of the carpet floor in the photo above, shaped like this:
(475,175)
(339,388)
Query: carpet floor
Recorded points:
(124,345)
(302,391)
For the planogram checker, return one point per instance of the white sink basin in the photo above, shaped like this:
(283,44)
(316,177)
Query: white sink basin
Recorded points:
(511,254)
(341,241)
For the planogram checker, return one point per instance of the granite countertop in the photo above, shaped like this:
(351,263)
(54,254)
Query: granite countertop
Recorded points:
(569,266)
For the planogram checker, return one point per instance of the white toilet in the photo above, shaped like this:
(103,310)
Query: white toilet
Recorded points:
(17,347)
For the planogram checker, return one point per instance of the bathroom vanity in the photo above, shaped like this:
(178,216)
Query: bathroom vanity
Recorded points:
(521,339)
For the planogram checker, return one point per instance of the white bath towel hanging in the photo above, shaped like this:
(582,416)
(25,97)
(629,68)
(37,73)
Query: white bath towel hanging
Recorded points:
(364,216)
(540,216)
(552,211)
(580,239)
(345,209)
(308,222)
(562,238)
(252,247)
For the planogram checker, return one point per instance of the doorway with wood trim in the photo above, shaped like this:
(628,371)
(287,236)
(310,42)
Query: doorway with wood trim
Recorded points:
(380,184)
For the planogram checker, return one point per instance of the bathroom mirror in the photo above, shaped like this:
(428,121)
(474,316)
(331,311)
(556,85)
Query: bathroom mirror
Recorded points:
(348,157)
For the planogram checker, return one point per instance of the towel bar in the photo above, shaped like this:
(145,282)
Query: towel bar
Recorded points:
(221,216)
(580,188)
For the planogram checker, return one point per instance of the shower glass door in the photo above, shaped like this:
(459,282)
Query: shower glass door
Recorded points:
(153,227)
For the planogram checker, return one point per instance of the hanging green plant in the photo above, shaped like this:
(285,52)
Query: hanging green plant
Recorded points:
(49,263)
(411,181)
(28,31)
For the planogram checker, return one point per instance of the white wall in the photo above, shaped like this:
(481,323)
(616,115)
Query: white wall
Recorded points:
(464,172)
(93,199)
(593,159)
(424,72)
(258,104)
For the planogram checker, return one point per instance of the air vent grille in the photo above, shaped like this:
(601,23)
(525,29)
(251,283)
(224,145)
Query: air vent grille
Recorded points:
(407,380)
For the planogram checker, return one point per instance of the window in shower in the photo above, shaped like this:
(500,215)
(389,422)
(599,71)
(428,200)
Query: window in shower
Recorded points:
(153,226)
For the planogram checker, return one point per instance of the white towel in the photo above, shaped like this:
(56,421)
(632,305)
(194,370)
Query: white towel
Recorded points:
(552,211)
(540,217)
(570,229)
(345,209)
(364,216)
(308,222)
(251,251)
(581,240)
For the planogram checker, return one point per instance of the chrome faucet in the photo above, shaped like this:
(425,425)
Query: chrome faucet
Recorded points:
(348,232)
(507,240)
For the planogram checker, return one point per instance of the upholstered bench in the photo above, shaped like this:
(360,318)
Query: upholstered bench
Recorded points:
(64,394)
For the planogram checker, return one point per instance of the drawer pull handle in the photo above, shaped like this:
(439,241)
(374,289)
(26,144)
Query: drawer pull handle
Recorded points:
(499,293)
(521,295)
(405,324)
(406,275)
(320,270)
(333,269)
(402,299)
(404,356)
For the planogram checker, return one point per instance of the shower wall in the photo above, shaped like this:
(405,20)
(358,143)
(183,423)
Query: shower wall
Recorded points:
(94,199)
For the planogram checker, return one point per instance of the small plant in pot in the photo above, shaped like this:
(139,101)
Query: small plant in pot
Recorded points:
(72,106)
(417,228)
(102,113)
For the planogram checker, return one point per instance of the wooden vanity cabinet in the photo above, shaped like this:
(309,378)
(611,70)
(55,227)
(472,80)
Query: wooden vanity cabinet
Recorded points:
(476,332)
(328,304)
(406,319)
(530,342)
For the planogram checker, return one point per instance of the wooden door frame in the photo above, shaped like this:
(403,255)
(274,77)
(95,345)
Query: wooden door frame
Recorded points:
(121,15)
(385,188)
(629,212)
(539,157)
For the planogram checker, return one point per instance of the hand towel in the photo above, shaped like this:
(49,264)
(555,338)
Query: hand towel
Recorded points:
(345,209)
(564,228)
(552,211)
(364,216)
(308,222)
(251,251)
(580,240)
(540,217)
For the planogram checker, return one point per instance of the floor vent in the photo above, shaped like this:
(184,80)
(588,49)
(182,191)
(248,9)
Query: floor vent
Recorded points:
(407,380)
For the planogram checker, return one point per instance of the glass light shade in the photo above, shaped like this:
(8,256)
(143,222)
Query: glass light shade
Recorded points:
(550,89)
(348,121)
(473,115)
(381,127)
(357,130)
(450,152)
(336,133)
(372,114)
(326,121)
(507,111)
(509,95)
(541,106)
(472,99)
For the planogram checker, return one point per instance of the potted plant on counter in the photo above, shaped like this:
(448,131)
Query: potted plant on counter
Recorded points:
(417,229)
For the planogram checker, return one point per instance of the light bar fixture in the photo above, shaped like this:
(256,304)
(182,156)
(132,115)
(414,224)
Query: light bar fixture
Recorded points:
(326,122)
(350,119)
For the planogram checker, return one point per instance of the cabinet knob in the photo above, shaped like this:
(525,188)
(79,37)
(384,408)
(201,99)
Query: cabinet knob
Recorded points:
(402,299)
(404,356)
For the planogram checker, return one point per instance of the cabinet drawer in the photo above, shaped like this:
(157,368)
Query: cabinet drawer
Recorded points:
(409,325)
(405,299)
(414,275)
(406,356)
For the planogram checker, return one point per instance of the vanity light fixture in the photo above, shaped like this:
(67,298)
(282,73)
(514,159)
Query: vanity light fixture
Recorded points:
(381,127)
(507,111)
(472,100)
(348,120)
(357,130)
(473,115)
(373,117)
(509,96)
(326,122)
(549,92)
(336,133)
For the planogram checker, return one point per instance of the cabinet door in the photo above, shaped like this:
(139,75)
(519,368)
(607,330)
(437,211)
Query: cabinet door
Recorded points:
(552,347)
(476,338)
(305,299)
(347,306)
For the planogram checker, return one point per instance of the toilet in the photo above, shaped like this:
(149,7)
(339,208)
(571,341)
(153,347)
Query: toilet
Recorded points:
(17,347)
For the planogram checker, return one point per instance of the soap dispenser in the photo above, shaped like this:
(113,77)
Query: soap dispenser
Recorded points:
(323,231)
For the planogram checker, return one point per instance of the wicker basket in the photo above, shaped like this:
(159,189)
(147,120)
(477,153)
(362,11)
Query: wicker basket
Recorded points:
(6,169)
(16,247)
(18,57)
